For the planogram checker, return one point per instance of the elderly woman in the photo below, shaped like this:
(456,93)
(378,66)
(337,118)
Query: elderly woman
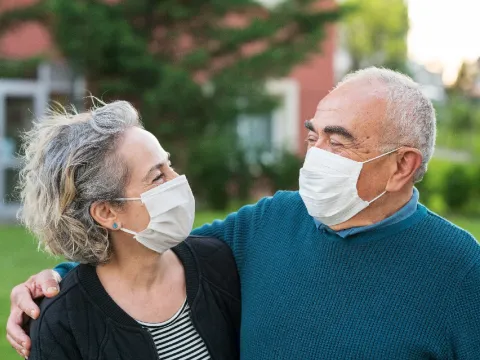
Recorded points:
(99,189)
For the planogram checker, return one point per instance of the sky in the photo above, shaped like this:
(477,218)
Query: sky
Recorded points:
(443,33)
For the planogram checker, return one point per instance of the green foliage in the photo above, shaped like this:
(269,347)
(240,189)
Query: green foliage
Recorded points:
(184,65)
(376,34)
(284,171)
(451,188)
(458,188)
(459,124)
(19,68)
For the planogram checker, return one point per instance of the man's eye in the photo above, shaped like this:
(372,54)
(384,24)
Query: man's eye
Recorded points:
(311,139)
(334,143)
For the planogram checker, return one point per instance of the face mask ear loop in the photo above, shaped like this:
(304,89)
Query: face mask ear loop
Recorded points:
(128,231)
(379,156)
(378,197)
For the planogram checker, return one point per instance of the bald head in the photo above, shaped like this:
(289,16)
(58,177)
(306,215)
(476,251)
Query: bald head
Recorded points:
(394,109)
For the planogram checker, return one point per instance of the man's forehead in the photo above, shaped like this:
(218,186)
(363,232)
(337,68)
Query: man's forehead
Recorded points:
(351,105)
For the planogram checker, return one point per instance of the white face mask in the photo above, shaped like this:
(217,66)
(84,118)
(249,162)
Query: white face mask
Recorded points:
(328,186)
(171,207)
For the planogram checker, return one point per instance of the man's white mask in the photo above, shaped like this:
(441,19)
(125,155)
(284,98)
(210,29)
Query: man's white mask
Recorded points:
(328,186)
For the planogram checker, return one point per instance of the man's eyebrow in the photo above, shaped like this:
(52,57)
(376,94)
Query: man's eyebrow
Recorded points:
(339,130)
(309,125)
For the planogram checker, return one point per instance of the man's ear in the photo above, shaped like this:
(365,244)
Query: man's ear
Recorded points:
(409,161)
(104,214)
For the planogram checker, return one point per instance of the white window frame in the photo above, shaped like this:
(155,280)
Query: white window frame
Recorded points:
(39,90)
(286,117)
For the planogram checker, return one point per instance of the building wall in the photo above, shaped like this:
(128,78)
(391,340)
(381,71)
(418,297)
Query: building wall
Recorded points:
(26,40)
(315,79)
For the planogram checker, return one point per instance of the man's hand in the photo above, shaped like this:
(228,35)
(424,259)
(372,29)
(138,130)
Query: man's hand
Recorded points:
(23,307)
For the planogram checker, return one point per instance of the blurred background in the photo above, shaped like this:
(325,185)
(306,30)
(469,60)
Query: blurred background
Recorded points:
(226,87)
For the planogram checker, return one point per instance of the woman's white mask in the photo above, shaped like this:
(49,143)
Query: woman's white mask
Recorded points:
(171,207)
(328,186)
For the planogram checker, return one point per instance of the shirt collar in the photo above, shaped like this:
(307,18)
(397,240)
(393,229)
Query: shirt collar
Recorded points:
(406,211)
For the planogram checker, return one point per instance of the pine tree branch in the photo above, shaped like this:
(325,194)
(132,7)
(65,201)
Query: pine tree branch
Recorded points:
(276,46)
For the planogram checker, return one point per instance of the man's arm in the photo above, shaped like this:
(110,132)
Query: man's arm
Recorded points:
(64,268)
(463,322)
(237,228)
(23,307)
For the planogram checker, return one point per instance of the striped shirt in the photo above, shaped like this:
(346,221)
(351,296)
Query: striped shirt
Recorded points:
(177,338)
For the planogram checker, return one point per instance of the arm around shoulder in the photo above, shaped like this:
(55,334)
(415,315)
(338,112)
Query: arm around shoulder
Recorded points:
(237,227)
(64,268)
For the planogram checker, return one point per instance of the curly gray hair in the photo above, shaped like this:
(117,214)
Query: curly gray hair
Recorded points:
(69,162)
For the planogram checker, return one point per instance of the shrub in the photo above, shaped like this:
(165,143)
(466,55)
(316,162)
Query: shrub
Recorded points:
(458,188)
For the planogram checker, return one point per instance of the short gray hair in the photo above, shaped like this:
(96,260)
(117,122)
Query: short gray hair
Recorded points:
(410,117)
(69,162)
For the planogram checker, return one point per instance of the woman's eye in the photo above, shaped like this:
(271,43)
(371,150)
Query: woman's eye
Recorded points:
(159,177)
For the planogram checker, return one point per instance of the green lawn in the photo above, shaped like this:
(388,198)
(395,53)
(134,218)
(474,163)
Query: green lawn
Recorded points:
(19,258)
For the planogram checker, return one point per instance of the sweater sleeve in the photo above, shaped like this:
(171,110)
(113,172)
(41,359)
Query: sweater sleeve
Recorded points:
(64,268)
(237,228)
(464,318)
(52,339)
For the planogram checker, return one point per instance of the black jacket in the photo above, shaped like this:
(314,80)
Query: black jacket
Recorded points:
(83,322)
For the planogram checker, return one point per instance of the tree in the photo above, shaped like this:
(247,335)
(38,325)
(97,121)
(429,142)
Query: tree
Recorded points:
(190,66)
(376,33)
(465,82)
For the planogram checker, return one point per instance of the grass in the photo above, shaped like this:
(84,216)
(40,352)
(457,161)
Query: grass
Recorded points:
(19,259)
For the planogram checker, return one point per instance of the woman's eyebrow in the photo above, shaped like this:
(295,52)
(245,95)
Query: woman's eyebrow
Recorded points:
(152,170)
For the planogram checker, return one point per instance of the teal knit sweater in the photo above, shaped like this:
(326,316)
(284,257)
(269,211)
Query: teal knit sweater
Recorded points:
(407,291)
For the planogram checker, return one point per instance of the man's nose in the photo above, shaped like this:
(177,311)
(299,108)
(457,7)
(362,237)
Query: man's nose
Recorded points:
(321,143)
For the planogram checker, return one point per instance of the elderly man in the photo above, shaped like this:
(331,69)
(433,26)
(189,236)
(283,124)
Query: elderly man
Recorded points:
(351,266)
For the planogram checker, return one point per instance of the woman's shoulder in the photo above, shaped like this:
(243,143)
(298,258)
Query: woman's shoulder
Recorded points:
(54,310)
(207,246)
(68,289)
(214,260)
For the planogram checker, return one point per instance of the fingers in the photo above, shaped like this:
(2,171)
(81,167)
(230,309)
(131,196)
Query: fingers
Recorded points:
(21,299)
(45,283)
(48,281)
(18,337)
(22,351)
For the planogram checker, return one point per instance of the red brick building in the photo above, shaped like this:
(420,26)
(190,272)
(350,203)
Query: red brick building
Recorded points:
(300,92)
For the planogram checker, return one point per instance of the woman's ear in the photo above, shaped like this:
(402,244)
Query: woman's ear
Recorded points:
(104,214)
(409,161)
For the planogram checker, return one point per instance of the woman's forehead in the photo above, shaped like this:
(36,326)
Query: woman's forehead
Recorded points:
(142,149)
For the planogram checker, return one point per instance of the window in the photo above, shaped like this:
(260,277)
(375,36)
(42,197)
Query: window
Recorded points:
(255,133)
(19,118)
(21,100)
(262,135)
